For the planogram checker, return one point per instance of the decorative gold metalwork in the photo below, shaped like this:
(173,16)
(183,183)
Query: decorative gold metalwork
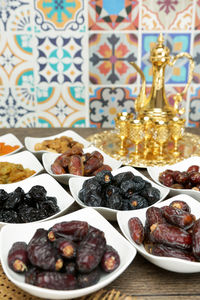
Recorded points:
(136,135)
(108,141)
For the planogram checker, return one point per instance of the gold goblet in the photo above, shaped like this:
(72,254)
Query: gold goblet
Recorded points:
(148,127)
(176,126)
(136,135)
(160,136)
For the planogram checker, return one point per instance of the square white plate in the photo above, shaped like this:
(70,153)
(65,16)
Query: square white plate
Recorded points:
(26,159)
(167,263)
(12,140)
(11,234)
(30,142)
(75,185)
(180,166)
(49,158)
(53,188)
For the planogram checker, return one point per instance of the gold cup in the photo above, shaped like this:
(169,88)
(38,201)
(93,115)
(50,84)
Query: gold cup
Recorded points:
(176,126)
(148,132)
(161,136)
(136,135)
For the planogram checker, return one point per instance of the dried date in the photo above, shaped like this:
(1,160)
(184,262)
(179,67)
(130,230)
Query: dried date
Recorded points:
(18,257)
(136,230)
(56,281)
(163,250)
(110,260)
(85,280)
(178,217)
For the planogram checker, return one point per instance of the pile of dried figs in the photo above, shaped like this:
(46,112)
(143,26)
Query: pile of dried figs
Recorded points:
(124,191)
(70,255)
(170,231)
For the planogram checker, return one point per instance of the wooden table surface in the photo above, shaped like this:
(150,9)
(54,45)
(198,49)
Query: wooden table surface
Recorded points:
(141,280)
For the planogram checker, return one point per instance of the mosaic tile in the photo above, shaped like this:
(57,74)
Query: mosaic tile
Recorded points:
(16,60)
(196,57)
(176,42)
(113,15)
(60,15)
(197,15)
(194,107)
(61,106)
(106,102)
(17,107)
(167,14)
(109,56)
(60,59)
(11,10)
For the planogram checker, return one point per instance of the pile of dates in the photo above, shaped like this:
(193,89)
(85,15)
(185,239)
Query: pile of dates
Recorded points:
(169,231)
(68,256)
(75,162)
(21,207)
(124,191)
(189,179)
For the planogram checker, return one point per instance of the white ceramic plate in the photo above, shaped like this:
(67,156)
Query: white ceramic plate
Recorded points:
(180,166)
(75,186)
(31,141)
(49,158)
(167,263)
(26,159)
(12,140)
(53,188)
(11,234)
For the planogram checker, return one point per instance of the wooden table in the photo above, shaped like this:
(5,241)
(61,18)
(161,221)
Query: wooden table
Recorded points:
(142,280)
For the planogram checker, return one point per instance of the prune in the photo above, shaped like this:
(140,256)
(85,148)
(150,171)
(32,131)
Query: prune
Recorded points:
(178,217)
(3,196)
(90,251)
(128,188)
(124,176)
(154,215)
(94,162)
(163,250)
(171,235)
(180,205)
(136,230)
(115,201)
(18,257)
(111,190)
(14,198)
(70,268)
(29,214)
(10,216)
(110,260)
(49,208)
(38,193)
(137,202)
(67,248)
(92,184)
(75,166)
(104,177)
(74,230)
(85,280)
(56,281)
(144,192)
(152,195)
(41,252)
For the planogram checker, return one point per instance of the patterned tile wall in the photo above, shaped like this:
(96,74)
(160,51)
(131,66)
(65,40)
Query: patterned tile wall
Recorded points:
(65,63)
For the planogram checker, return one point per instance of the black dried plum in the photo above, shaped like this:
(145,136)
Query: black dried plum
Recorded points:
(3,196)
(49,208)
(10,216)
(127,188)
(143,192)
(38,192)
(137,201)
(153,195)
(111,190)
(115,201)
(92,184)
(139,183)
(104,177)
(119,178)
(93,199)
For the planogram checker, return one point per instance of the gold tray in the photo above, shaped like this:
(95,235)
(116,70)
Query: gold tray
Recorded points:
(109,142)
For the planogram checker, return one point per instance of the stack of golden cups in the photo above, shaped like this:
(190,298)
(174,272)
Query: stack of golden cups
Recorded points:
(149,136)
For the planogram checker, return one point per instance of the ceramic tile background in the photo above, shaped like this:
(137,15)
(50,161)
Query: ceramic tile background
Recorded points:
(65,63)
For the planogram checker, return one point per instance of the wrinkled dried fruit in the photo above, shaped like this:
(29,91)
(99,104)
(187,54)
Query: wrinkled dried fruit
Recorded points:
(110,260)
(136,230)
(18,257)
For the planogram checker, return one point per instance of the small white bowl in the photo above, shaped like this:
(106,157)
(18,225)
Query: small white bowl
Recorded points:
(26,159)
(53,188)
(167,263)
(49,158)
(12,140)
(75,185)
(11,234)
(30,142)
(180,166)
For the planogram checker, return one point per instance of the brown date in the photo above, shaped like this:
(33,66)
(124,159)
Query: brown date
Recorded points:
(75,165)
(110,260)
(85,280)
(94,162)
(18,257)
(136,230)
(56,281)
(67,248)
(90,251)
(163,250)
(74,230)
(196,239)
(56,168)
(178,217)
(102,168)
(171,236)
(154,215)
(193,168)
(180,205)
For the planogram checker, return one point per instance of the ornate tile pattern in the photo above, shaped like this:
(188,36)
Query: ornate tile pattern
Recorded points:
(66,63)
(113,15)
(106,102)
(110,55)
(176,43)
(167,14)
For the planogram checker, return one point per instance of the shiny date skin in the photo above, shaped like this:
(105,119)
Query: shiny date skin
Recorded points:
(171,236)
(180,205)
(154,215)
(56,281)
(163,250)
(18,257)
(110,260)
(178,217)
(136,230)
(196,239)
